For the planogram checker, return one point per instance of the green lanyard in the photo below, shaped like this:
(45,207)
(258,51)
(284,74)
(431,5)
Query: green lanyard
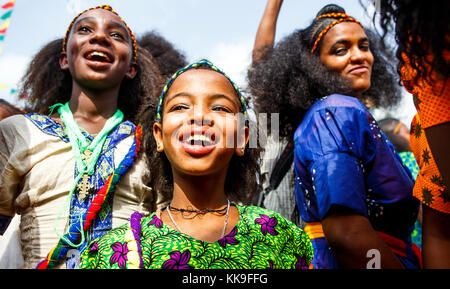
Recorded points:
(86,155)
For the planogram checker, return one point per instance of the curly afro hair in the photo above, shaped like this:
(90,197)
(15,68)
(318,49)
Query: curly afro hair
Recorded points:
(421,28)
(168,58)
(289,79)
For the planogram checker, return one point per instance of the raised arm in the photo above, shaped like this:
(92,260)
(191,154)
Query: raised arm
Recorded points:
(265,35)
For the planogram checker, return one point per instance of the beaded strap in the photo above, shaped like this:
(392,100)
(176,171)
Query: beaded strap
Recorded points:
(108,8)
(343,18)
(114,179)
(73,235)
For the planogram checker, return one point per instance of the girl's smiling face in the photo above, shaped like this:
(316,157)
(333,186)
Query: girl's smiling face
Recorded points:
(200,130)
(345,49)
(99,50)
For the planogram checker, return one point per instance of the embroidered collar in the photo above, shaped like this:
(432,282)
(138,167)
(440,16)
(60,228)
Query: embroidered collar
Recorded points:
(51,127)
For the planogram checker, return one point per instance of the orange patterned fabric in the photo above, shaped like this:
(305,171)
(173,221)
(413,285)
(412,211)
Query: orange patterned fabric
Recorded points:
(432,102)
(429,187)
(433,108)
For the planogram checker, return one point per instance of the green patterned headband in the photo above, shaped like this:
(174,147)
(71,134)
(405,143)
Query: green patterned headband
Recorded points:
(200,64)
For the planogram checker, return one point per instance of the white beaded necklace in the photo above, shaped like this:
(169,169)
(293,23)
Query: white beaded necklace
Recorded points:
(224,225)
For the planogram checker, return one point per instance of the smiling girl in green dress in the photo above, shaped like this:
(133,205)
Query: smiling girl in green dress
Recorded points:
(207,171)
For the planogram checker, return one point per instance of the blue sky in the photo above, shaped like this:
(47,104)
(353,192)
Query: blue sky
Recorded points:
(222,31)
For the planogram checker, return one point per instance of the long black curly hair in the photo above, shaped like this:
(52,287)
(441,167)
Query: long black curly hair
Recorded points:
(243,180)
(45,83)
(166,55)
(421,29)
(289,79)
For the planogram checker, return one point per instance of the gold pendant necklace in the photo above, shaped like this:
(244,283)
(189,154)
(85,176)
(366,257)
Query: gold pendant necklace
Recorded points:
(85,186)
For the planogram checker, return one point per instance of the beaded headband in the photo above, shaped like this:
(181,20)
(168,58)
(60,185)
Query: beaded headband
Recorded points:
(108,8)
(193,66)
(341,17)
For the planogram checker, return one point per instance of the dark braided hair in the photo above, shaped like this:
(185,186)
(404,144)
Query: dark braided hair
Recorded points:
(243,178)
(46,83)
(289,79)
(421,29)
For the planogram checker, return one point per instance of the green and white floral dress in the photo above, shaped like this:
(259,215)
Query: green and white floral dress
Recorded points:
(261,239)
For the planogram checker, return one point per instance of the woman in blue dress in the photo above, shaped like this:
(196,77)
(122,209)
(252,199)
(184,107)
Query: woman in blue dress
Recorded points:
(351,188)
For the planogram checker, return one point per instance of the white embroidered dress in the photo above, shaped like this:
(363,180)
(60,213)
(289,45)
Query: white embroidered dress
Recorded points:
(36,175)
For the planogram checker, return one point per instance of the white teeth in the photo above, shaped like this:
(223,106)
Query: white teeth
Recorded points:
(98,53)
(199,139)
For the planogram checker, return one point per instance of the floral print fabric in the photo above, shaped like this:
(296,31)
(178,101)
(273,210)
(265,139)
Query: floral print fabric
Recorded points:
(261,239)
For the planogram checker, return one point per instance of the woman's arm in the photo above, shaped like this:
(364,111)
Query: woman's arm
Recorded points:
(435,239)
(438,137)
(351,236)
(11,151)
(436,233)
(265,35)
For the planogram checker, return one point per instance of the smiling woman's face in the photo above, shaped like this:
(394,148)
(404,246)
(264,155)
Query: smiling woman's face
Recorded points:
(200,127)
(345,49)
